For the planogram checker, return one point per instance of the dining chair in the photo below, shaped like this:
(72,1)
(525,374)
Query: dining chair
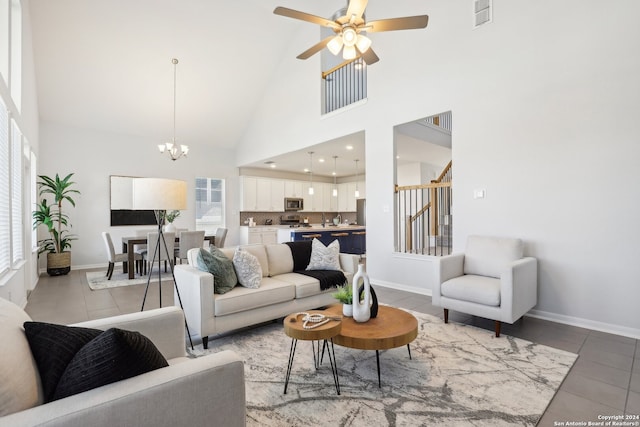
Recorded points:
(221,235)
(152,241)
(113,257)
(188,240)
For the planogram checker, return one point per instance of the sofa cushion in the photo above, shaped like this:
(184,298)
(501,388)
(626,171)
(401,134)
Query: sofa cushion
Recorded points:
(324,257)
(112,356)
(280,259)
(271,291)
(259,252)
(19,379)
(217,263)
(247,268)
(53,347)
(301,253)
(478,289)
(489,256)
(305,286)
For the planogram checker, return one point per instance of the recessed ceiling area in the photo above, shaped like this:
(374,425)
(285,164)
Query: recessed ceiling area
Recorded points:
(298,161)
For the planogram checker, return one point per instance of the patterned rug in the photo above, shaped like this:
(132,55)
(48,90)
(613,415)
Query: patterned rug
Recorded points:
(458,376)
(98,280)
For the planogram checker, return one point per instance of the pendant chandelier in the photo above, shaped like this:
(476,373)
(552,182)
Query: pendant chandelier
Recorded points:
(335,186)
(357,194)
(175,151)
(311,173)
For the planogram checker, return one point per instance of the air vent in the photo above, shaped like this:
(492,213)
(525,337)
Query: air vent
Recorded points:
(482,12)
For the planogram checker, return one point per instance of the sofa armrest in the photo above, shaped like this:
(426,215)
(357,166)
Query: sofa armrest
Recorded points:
(188,393)
(446,268)
(163,326)
(519,288)
(196,294)
(349,263)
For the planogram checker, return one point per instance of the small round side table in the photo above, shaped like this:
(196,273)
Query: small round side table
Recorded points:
(294,328)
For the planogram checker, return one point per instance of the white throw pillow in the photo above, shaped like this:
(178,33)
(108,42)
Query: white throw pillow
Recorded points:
(324,257)
(248,269)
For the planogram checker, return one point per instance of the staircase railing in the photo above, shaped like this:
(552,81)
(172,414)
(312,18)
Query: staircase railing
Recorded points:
(424,218)
(344,84)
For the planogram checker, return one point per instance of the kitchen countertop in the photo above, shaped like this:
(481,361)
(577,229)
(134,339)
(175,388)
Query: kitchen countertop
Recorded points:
(318,227)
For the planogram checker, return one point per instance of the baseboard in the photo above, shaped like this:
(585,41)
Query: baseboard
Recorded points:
(400,287)
(539,314)
(586,323)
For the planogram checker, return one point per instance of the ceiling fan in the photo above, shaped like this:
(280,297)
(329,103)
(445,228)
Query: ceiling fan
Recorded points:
(349,28)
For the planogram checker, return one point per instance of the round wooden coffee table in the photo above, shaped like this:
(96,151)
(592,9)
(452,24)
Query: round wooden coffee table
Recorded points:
(294,327)
(392,328)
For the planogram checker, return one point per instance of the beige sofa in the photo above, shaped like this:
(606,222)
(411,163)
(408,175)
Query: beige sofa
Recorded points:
(281,292)
(205,391)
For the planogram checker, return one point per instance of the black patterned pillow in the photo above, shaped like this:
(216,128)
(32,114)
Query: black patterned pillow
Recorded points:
(112,356)
(324,257)
(53,347)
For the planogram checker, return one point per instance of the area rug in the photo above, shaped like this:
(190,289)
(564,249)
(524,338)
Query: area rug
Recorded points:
(459,375)
(98,280)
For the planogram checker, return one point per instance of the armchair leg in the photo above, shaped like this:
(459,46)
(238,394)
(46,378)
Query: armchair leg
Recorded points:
(205,342)
(498,324)
(446,315)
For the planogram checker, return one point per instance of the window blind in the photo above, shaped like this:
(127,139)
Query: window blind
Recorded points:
(4,189)
(17,246)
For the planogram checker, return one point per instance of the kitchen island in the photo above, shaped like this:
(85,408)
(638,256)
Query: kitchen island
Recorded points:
(352,238)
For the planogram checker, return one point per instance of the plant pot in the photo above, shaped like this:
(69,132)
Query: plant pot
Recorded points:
(58,264)
(169,228)
(347,310)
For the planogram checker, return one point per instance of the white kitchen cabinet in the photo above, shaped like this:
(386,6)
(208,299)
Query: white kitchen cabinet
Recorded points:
(319,201)
(293,189)
(261,194)
(255,235)
(347,196)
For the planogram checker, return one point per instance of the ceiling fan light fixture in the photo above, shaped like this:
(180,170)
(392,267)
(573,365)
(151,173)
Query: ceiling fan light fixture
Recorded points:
(335,45)
(363,43)
(349,36)
(349,52)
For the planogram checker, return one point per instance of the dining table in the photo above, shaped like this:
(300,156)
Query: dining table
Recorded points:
(128,244)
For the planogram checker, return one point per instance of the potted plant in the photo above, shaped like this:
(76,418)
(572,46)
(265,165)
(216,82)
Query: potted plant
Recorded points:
(56,221)
(169,217)
(344,294)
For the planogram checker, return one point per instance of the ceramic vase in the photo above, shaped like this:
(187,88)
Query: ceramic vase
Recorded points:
(347,310)
(361,308)
(169,228)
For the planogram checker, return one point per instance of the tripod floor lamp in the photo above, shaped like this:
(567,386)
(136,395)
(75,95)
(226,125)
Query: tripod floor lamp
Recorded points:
(161,195)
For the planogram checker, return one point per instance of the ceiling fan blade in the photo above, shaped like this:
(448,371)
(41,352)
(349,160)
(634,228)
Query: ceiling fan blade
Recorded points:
(295,14)
(393,24)
(370,57)
(356,7)
(315,48)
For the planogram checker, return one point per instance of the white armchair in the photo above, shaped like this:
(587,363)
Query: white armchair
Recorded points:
(491,279)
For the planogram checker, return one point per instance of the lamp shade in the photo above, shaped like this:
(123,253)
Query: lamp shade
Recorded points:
(159,194)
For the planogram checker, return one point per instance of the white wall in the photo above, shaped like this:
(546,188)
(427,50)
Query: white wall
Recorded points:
(94,156)
(544,103)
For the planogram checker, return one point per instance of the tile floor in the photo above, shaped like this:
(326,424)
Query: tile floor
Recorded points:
(604,381)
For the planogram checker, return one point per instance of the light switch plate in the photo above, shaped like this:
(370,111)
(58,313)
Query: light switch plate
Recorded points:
(479,193)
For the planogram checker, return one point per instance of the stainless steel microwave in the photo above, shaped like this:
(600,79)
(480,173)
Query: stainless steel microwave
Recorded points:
(293,204)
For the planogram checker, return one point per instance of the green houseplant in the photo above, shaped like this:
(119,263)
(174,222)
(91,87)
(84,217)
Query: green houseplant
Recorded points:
(344,294)
(56,221)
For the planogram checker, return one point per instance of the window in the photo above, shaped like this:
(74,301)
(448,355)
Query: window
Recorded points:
(34,197)
(17,251)
(209,204)
(4,189)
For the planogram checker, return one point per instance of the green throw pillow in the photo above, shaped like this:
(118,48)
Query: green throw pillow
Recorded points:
(217,263)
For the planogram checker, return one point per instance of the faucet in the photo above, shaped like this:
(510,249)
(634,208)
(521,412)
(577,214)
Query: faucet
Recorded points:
(323,220)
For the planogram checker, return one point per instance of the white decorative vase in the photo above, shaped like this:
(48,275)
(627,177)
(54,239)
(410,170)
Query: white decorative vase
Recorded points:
(347,310)
(361,309)
(169,228)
